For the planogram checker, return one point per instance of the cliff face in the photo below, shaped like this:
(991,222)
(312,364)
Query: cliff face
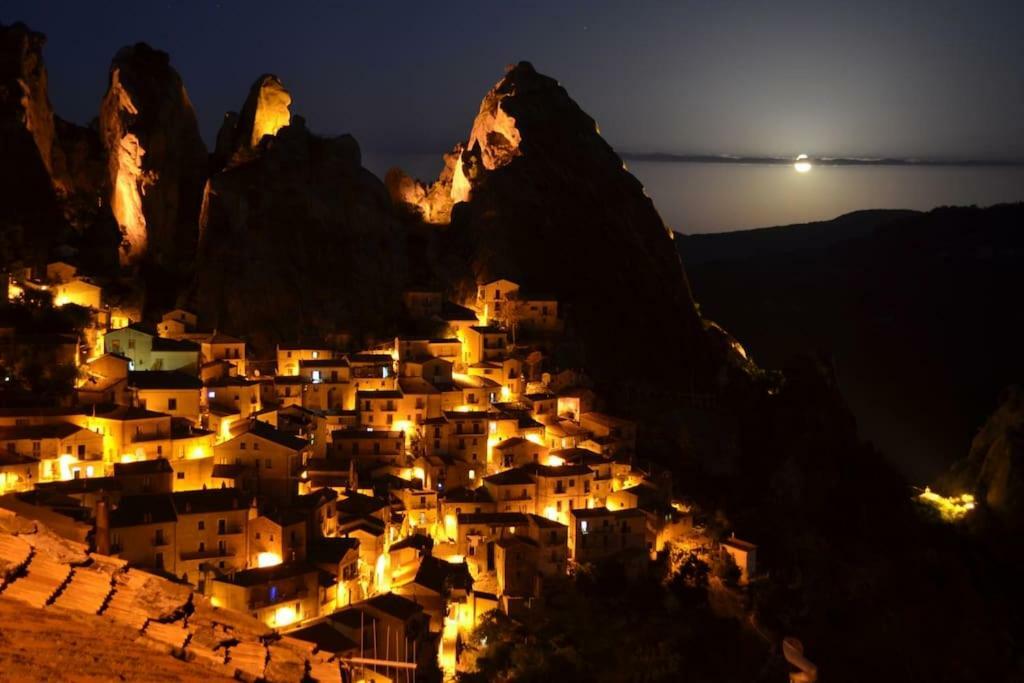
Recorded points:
(266,111)
(297,237)
(29,208)
(995,466)
(536,195)
(156,159)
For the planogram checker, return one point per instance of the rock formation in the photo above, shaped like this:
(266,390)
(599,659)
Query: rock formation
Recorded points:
(265,112)
(29,208)
(156,158)
(25,88)
(994,469)
(296,228)
(536,195)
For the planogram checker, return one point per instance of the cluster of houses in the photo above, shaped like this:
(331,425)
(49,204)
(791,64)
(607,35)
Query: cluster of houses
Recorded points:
(377,501)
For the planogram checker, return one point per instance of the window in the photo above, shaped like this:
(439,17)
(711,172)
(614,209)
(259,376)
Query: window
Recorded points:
(81,450)
(202,547)
(316,377)
(180,475)
(222,526)
(241,446)
(222,546)
(316,354)
(172,404)
(211,394)
(255,445)
(268,463)
(36,447)
(202,525)
(472,475)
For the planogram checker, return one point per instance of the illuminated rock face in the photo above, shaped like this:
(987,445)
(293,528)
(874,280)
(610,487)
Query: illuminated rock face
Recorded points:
(265,112)
(155,156)
(128,180)
(269,110)
(493,142)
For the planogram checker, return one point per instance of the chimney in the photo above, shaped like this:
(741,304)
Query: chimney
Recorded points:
(103,526)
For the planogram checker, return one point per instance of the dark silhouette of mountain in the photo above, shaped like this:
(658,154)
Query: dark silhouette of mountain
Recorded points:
(919,313)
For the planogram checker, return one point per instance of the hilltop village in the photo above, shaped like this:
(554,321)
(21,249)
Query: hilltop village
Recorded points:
(394,494)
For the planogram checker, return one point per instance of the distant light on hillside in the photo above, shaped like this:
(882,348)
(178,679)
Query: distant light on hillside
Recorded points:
(803,164)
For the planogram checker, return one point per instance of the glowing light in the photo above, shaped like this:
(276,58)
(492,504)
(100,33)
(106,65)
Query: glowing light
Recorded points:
(216,602)
(803,164)
(381,575)
(551,513)
(554,461)
(506,393)
(950,508)
(534,438)
(418,473)
(64,464)
(268,559)
(284,616)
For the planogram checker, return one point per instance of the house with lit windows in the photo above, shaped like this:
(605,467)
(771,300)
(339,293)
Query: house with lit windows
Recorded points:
(275,459)
(289,356)
(513,490)
(189,534)
(278,595)
(173,392)
(148,351)
(596,534)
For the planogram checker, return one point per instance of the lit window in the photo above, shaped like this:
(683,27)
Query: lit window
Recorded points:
(472,475)
(211,394)
(316,354)
(584,527)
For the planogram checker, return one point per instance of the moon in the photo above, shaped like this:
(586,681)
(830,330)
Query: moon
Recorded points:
(803,164)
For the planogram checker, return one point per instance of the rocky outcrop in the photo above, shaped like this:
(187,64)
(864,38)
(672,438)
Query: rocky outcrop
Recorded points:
(536,195)
(29,204)
(26,96)
(297,237)
(994,469)
(156,159)
(265,112)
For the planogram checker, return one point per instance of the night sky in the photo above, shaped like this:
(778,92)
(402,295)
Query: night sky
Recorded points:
(936,78)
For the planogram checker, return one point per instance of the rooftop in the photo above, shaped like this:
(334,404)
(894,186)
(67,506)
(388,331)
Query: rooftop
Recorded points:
(163,379)
(142,467)
(513,477)
(394,605)
(261,575)
(36,432)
